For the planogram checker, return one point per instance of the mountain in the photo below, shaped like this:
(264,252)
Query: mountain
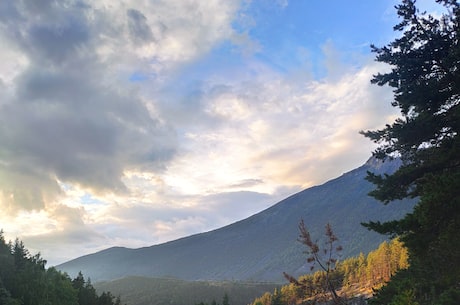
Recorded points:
(261,247)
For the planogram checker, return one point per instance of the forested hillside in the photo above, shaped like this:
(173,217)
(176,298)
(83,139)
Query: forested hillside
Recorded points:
(24,280)
(353,277)
(136,290)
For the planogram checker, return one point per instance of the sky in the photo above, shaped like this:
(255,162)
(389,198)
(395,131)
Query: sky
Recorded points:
(132,123)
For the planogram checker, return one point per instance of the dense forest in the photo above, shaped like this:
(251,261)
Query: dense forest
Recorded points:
(24,280)
(352,277)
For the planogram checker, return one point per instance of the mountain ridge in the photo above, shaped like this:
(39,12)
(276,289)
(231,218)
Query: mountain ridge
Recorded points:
(262,246)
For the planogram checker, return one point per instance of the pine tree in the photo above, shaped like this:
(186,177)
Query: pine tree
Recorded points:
(276,298)
(24,280)
(425,76)
(225,300)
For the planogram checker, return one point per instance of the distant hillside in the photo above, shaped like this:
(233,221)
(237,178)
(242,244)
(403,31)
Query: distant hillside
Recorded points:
(135,290)
(262,246)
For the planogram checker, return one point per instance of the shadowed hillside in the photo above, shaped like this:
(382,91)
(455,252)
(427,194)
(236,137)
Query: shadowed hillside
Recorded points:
(136,290)
(262,246)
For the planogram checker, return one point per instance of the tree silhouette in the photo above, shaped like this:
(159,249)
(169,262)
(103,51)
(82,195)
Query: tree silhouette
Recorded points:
(425,77)
(326,258)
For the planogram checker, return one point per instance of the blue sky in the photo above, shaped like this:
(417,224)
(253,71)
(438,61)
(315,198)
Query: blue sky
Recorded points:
(131,123)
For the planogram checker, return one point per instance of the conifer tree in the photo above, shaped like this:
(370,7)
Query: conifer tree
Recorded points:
(225,300)
(24,280)
(425,77)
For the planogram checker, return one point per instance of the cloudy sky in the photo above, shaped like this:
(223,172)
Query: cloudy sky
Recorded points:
(136,122)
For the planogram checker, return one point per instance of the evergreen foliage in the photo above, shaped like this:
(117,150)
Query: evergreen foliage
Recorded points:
(425,76)
(353,278)
(225,301)
(24,280)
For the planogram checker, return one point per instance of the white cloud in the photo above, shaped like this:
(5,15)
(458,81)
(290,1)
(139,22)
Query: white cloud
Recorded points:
(282,132)
(92,156)
(69,111)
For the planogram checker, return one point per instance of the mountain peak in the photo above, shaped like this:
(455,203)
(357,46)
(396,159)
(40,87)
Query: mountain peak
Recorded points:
(386,166)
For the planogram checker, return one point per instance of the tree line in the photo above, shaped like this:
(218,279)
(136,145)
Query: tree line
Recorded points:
(24,280)
(353,276)
(225,301)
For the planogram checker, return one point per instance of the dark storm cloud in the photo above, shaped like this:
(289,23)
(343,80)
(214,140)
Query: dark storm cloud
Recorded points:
(66,116)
